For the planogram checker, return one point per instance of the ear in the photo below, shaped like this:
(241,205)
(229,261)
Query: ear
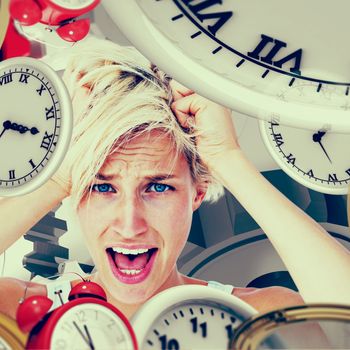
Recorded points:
(200,191)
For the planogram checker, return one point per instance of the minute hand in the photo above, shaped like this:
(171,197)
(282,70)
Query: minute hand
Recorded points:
(324,151)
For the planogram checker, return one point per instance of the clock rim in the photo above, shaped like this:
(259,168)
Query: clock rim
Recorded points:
(65,130)
(42,338)
(11,333)
(302,178)
(142,33)
(163,301)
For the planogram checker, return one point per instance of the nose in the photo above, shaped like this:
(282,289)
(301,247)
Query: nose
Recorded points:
(130,219)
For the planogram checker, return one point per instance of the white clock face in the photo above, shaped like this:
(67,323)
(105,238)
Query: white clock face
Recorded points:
(189,317)
(90,326)
(244,53)
(73,4)
(192,325)
(317,159)
(35,124)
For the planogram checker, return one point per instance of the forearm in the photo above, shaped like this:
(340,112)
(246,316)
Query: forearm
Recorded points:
(319,265)
(19,214)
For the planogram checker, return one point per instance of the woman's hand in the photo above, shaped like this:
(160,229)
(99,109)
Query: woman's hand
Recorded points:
(212,123)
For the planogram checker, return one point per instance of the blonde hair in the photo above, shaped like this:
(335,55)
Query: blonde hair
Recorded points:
(127,96)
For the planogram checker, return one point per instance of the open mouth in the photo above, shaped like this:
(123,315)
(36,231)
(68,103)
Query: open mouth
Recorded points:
(131,265)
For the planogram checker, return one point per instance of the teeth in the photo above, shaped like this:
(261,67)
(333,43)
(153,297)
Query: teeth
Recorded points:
(130,251)
(131,272)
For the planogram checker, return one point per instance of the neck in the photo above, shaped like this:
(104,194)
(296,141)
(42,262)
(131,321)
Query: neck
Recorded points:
(174,279)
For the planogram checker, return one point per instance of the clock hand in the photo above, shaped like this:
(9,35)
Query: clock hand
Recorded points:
(317,137)
(89,337)
(87,341)
(7,125)
(324,151)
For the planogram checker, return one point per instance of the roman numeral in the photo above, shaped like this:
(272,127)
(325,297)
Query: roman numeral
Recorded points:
(47,139)
(41,89)
(291,158)
(12,175)
(274,50)
(50,113)
(348,171)
(310,173)
(220,17)
(32,163)
(5,79)
(24,78)
(278,139)
(332,177)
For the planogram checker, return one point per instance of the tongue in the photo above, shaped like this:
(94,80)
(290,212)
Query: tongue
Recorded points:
(123,262)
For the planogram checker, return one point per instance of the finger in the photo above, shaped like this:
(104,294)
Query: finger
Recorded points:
(188,105)
(179,90)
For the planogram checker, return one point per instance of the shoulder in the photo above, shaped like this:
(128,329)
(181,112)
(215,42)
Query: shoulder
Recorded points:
(11,292)
(270,298)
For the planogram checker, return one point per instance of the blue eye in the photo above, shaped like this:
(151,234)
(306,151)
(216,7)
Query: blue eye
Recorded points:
(103,188)
(159,188)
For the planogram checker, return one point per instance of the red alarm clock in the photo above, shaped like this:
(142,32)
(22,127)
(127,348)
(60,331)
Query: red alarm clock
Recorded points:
(59,15)
(86,321)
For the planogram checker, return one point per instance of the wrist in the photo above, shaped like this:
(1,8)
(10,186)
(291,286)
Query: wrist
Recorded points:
(57,188)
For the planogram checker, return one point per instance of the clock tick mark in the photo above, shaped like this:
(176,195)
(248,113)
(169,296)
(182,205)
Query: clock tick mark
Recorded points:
(292,82)
(240,62)
(175,18)
(216,50)
(175,316)
(265,73)
(156,332)
(182,314)
(201,310)
(319,87)
(222,315)
(196,34)
(347,91)
(166,322)
(149,342)
(191,311)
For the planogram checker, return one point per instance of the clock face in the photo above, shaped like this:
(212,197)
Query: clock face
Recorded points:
(189,317)
(317,159)
(73,4)
(90,326)
(35,124)
(246,53)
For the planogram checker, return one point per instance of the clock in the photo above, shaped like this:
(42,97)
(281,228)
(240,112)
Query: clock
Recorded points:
(11,337)
(86,321)
(315,158)
(189,317)
(245,53)
(299,327)
(35,124)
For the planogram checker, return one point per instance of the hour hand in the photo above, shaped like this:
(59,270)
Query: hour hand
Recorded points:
(317,138)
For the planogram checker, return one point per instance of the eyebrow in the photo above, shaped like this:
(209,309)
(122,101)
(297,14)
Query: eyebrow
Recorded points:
(155,178)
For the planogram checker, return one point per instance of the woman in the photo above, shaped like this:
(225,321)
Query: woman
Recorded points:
(135,174)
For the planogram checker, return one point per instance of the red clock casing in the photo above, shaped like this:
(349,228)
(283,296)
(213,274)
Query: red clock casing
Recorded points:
(53,14)
(40,337)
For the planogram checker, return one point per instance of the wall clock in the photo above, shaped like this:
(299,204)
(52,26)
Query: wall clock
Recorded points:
(315,158)
(35,124)
(189,317)
(246,53)
(11,337)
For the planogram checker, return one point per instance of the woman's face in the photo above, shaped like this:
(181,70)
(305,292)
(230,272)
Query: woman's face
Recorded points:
(138,217)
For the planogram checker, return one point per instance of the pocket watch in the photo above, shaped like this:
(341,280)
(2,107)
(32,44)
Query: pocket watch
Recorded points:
(86,321)
(189,317)
(11,337)
(317,159)
(244,53)
(35,124)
